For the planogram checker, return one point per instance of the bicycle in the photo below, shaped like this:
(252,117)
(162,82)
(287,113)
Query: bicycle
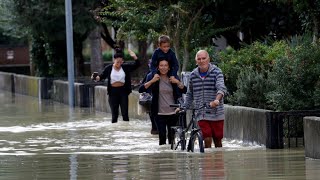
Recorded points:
(179,137)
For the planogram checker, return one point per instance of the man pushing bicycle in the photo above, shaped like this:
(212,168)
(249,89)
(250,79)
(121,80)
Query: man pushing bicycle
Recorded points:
(206,86)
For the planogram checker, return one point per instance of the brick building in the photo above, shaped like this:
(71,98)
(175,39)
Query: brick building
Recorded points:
(15,59)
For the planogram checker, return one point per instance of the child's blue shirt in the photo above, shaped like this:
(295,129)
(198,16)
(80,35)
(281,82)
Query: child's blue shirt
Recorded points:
(170,56)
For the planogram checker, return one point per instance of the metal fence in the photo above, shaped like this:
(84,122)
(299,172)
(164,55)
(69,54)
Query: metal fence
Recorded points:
(285,128)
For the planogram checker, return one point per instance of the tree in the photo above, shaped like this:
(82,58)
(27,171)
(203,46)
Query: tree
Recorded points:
(48,29)
(140,23)
(147,21)
(95,46)
(309,15)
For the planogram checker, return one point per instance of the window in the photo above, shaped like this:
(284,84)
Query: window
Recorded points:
(10,55)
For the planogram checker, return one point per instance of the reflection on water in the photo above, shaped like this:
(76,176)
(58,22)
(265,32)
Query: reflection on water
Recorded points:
(47,140)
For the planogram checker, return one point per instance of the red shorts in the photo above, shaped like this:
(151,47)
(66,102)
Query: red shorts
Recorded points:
(212,129)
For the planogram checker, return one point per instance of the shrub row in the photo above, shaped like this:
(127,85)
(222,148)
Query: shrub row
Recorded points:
(280,76)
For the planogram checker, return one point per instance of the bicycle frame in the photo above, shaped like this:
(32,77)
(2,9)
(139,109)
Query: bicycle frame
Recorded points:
(181,131)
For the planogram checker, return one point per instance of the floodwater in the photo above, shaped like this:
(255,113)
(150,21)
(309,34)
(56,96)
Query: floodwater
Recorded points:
(42,139)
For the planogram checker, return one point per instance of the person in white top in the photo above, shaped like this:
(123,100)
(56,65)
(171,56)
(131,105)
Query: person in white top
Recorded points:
(119,83)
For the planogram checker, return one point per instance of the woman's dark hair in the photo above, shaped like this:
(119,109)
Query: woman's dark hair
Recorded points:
(162,59)
(119,53)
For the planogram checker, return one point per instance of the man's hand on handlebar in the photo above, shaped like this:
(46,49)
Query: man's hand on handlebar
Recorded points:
(214,103)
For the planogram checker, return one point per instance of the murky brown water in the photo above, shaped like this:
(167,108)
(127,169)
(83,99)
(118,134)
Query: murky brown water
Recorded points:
(48,140)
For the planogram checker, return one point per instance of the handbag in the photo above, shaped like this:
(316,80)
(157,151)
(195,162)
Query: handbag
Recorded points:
(145,99)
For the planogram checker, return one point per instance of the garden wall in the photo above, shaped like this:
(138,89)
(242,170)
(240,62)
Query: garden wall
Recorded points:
(7,81)
(60,93)
(31,86)
(101,103)
(312,136)
(246,124)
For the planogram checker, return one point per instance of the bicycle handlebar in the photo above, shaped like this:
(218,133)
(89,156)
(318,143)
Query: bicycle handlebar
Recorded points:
(205,106)
(175,105)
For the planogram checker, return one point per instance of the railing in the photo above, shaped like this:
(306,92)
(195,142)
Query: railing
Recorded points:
(283,126)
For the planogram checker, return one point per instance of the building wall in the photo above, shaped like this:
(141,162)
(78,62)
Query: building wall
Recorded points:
(15,59)
(14,55)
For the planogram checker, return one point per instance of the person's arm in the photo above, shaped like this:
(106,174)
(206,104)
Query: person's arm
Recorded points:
(181,86)
(155,78)
(132,66)
(217,101)
(220,84)
(222,90)
(132,54)
(142,89)
(104,73)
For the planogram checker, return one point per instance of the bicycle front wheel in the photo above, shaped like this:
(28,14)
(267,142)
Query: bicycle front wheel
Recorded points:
(196,143)
(177,140)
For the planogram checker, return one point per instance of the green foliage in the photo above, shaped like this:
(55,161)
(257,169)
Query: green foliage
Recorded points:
(280,75)
(284,75)
(251,89)
(141,22)
(7,39)
(309,12)
(258,55)
(44,22)
(39,59)
(296,79)
(57,63)
(107,55)
(316,95)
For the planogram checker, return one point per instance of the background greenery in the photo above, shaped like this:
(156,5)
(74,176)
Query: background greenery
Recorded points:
(284,75)
(274,65)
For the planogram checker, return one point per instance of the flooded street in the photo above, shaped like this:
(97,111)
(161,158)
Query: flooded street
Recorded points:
(42,139)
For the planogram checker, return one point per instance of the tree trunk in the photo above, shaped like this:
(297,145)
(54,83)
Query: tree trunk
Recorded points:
(31,63)
(186,41)
(315,28)
(186,56)
(142,55)
(107,37)
(96,54)
(176,43)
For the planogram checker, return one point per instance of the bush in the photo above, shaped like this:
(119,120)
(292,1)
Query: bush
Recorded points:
(282,76)
(107,56)
(252,87)
(259,56)
(296,79)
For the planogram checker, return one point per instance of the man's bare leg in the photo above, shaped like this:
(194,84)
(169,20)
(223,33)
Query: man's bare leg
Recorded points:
(207,142)
(217,143)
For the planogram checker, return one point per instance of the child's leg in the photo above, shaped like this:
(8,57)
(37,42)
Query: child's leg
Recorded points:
(150,75)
